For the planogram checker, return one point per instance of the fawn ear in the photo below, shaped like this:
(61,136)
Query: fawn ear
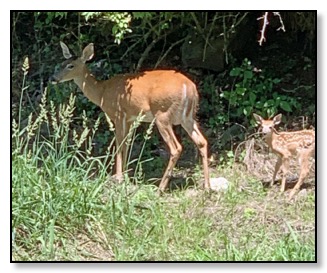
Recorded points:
(277,119)
(257,118)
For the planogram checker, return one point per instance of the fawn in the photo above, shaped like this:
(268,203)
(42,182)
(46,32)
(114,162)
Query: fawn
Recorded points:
(285,144)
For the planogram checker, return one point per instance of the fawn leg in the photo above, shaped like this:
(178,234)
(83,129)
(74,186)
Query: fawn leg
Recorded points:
(304,167)
(277,167)
(285,168)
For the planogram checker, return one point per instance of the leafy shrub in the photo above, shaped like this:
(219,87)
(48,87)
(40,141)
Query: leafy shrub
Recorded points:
(253,91)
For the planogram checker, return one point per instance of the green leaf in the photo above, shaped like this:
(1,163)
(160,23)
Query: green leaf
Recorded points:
(269,103)
(235,72)
(248,74)
(275,95)
(247,110)
(285,106)
(239,112)
(276,81)
(143,15)
(252,98)
(240,91)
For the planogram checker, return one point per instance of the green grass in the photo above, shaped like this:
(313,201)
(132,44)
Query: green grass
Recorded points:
(65,207)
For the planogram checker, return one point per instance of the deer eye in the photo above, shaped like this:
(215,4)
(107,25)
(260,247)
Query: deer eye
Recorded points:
(69,66)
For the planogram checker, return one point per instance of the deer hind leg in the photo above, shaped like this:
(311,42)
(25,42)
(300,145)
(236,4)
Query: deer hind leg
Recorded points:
(175,150)
(277,167)
(192,129)
(304,171)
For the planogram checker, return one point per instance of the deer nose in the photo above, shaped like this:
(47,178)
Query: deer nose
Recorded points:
(53,79)
(266,130)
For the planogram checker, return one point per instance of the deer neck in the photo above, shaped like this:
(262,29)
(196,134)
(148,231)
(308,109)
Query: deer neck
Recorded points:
(269,137)
(90,86)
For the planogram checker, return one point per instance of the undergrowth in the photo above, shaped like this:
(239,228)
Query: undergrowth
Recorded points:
(67,207)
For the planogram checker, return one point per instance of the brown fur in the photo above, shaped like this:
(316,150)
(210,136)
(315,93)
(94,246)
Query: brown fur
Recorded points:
(166,95)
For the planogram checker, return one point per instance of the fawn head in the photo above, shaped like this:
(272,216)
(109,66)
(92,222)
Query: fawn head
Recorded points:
(267,125)
(73,66)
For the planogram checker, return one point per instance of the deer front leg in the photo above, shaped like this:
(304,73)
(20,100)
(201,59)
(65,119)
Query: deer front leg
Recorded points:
(285,168)
(277,167)
(119,163)
(121,148)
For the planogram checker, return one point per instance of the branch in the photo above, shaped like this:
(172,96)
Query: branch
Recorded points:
(282,27)
(266,22)
(146,53)
(208,36)
(143,38)
(168,50)
(149,47)
(263,29)
(197,24)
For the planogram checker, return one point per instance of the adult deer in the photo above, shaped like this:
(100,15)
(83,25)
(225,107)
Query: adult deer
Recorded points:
(164,95)
(285,144)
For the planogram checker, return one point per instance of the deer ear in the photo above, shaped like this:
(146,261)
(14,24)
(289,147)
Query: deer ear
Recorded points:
(257,118)
(88,53)
(65,50)
(277,119)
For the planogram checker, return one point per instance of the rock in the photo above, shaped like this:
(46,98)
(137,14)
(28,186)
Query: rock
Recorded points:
(196,54)
(219,184)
